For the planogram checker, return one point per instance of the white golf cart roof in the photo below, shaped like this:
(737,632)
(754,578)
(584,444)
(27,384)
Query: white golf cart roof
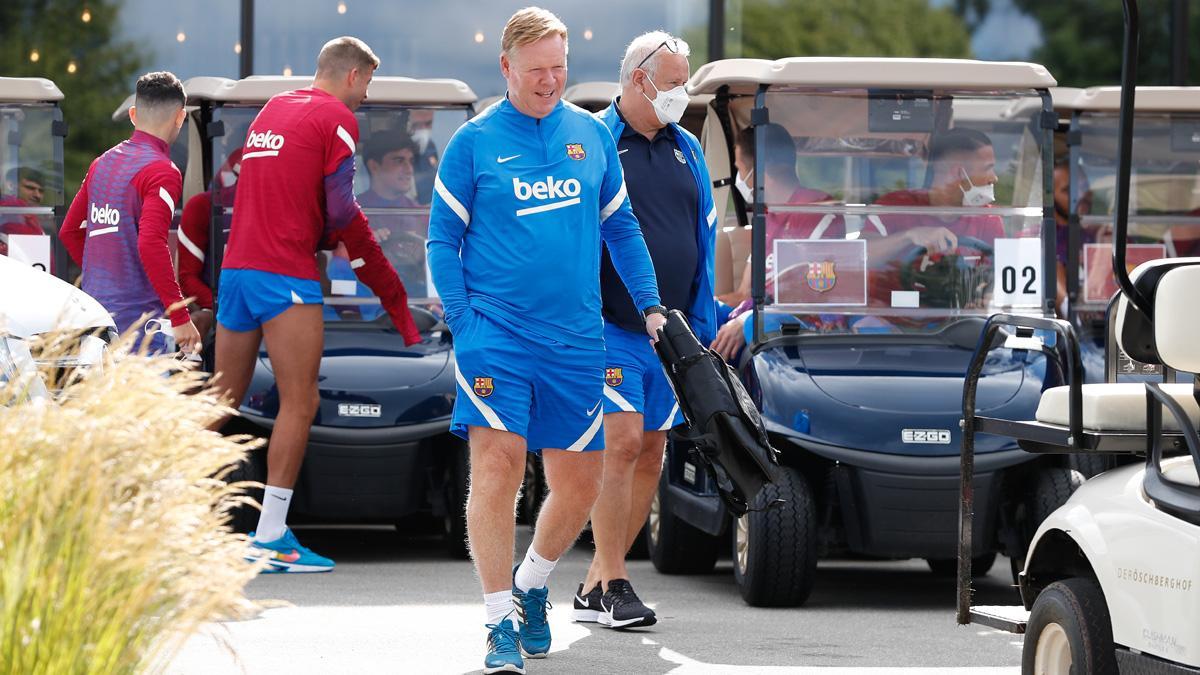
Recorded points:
(29,90)
(587,94)
(398,90)
(600,94)
(1146,99)
(743,76)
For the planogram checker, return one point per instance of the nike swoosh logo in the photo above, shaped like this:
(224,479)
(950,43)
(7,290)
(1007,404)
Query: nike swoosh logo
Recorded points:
(594,408)
(288,557)
(621,152)
(282,499)
(501,160)
(582,601)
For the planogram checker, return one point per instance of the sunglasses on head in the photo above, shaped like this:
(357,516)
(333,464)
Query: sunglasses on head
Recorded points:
(671,45)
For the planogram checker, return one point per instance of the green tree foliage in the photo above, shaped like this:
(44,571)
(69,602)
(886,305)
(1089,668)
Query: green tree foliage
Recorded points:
(104,68)
(1083,40)
(781,28)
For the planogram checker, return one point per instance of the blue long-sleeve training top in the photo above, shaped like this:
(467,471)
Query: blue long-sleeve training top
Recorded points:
(519,209)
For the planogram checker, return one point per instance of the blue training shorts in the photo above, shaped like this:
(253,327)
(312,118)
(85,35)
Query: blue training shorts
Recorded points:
(246,299)
(545,391)
(634,380)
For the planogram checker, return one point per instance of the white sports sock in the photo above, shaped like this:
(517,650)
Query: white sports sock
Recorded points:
(272,522)
(534,571)
(499,605)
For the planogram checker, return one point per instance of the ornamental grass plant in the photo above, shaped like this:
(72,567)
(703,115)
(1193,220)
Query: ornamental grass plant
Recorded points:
(113,546)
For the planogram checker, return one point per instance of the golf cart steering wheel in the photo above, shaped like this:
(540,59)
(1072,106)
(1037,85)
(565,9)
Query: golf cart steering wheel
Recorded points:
(939,283)
(424,319)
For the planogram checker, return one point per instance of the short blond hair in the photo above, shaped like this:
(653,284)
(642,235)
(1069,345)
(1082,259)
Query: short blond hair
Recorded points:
(341,55)
(529,25)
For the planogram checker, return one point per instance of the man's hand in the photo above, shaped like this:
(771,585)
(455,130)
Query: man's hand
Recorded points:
(187,338)
(933,239)
(203,319)
(653,323)
(382,233)
(731,338)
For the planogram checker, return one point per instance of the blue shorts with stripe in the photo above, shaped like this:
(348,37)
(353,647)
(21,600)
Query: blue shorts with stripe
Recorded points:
(634,380)
(246,299)
(542,390)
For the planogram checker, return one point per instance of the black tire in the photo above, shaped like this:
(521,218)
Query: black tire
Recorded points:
(457,479)
(775,551)
(676,547)
(948,567)
(1073,609)
(640,550)
(243,518)
(533,492)
(1053,487)
(1089,465)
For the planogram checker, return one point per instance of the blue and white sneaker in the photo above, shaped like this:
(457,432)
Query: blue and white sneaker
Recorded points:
(503,648)
(532,606)
(285,554)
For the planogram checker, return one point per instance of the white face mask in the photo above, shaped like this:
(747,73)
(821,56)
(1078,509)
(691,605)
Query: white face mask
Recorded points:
(422,136)
(670,105)
(977,195)
(743,187)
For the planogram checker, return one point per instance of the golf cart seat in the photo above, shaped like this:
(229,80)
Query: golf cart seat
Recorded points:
(1114,406)
(1111,416)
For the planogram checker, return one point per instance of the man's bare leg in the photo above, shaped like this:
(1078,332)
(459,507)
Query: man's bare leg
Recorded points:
(294,342)
(497,469)
(236,352)
(574,482)
(630,479)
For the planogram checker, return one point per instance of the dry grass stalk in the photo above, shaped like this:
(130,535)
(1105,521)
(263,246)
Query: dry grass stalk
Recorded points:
(112,544)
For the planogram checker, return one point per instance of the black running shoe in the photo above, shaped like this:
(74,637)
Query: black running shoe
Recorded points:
(621,608)
(587,606)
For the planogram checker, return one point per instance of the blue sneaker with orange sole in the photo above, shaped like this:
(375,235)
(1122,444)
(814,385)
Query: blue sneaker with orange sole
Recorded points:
(285,554)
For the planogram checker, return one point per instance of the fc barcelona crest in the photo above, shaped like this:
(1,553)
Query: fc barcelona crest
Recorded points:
(613,377)
(484,386)
(821,276)
(575,151)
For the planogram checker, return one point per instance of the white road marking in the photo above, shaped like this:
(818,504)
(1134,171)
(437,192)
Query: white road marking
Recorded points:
(688,666)
(416,636)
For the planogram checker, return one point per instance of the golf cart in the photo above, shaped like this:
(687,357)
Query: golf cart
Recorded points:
(31,192)
(1164,216)
(379,448)
(1109,584)
(31,171)
(855,355)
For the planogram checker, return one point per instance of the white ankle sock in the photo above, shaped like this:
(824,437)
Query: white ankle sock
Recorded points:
(534,571)
(273,520)
(499,605)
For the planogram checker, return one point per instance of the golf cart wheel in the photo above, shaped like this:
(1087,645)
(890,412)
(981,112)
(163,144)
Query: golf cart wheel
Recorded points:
(640,550)
(948,567)
(458,471)
(1069,631)
(775,550)
(243,518)
(675,546)
(1053,488)
(1091,465)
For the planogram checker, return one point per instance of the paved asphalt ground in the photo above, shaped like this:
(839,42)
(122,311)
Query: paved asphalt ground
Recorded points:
(395,603)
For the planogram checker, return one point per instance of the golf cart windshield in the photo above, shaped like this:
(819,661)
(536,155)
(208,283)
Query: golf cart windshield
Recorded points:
(396,163)
(899,210)
(1164,195)
(31,170)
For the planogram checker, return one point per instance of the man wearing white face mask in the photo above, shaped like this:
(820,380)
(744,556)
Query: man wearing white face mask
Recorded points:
(670,190)
(963,166)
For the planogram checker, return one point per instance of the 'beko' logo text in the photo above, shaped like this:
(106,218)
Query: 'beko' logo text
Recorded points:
(106,215)
(264,144)
(567,191)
